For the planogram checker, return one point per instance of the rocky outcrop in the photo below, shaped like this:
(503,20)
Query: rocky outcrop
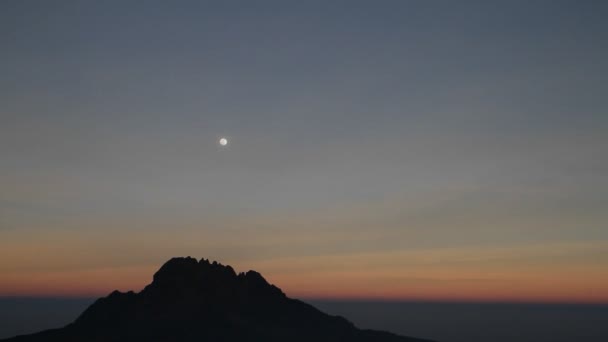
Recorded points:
(190,300)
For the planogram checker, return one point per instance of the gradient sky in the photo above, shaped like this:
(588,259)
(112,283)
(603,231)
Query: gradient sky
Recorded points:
(380,149)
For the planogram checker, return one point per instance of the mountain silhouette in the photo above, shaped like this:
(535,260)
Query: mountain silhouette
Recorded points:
(190,300)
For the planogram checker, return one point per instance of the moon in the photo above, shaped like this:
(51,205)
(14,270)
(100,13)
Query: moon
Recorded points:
(223,141)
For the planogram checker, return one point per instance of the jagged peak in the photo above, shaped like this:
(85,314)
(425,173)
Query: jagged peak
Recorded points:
(192,300)
(188,274)
(255,276)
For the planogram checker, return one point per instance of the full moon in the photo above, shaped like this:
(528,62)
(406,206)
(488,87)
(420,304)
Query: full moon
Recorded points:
(223,141)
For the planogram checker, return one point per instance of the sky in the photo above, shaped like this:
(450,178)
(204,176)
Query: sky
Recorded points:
(432,150)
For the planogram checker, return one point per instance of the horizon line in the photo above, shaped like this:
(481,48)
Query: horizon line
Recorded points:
(355,300)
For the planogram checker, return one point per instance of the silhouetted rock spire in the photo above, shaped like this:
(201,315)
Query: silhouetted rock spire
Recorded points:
(190,300)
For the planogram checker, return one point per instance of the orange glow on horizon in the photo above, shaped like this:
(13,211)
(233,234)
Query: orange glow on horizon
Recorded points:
(354,286)
(95,266)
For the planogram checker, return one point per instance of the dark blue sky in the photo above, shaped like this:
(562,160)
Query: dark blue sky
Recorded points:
(356,128)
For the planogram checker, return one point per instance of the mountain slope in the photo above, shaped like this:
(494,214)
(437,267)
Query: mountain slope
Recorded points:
(190,300)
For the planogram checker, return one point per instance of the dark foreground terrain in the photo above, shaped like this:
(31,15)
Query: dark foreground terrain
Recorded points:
(190,300)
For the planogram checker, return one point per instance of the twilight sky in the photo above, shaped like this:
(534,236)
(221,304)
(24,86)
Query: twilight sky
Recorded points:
(378,149)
